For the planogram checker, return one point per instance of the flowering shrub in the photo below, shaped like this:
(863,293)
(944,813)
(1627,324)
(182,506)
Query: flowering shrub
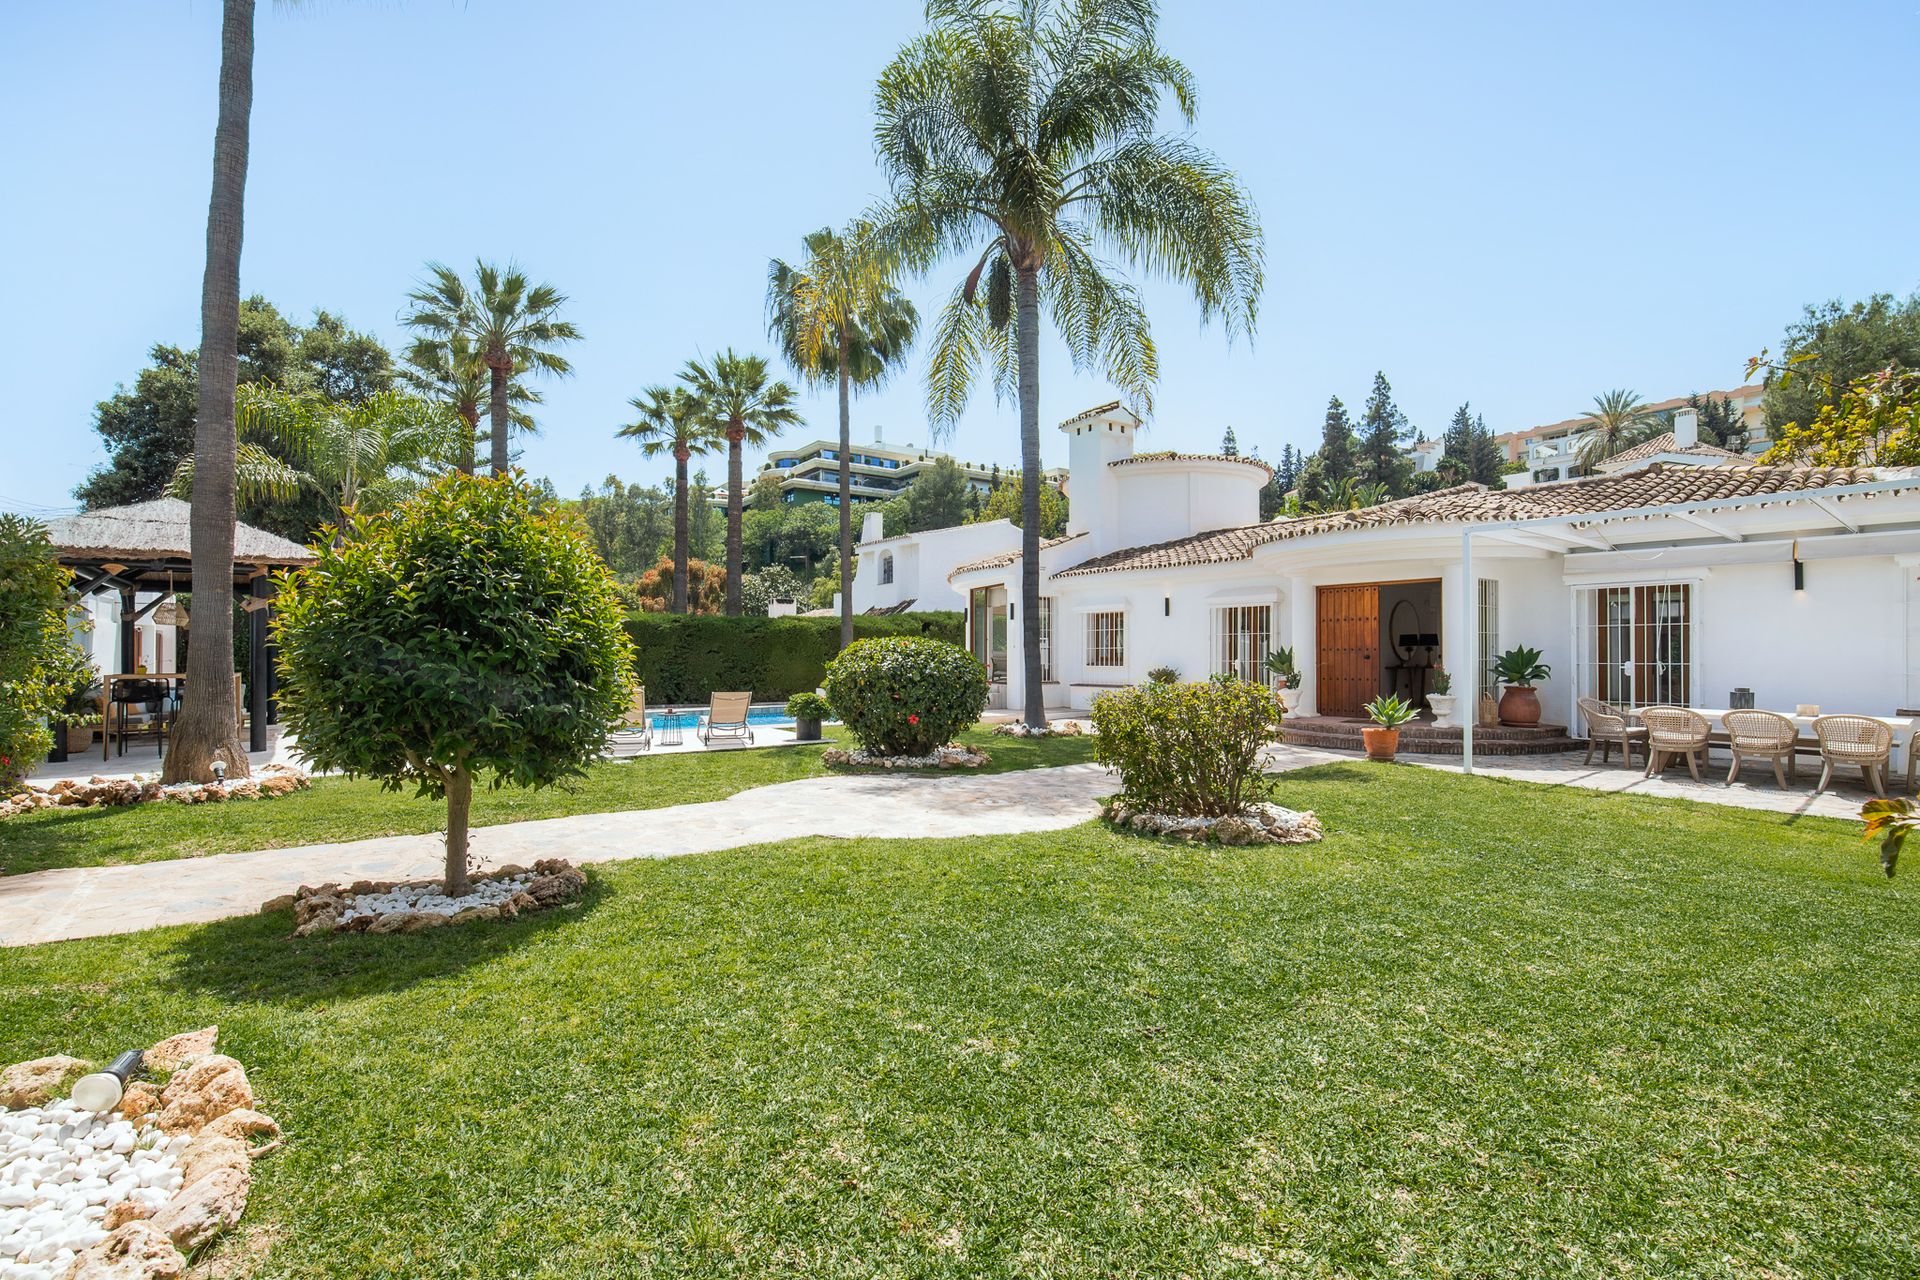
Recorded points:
(904,695)
(1189,750)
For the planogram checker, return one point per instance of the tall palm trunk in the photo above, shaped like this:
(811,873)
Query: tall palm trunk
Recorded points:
(1030,481)
(736,433)
(207,728)
(680,530)
(846,496)
(471,417)
(498,371)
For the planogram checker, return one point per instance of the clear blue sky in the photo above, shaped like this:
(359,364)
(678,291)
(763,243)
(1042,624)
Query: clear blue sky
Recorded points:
(1517,205)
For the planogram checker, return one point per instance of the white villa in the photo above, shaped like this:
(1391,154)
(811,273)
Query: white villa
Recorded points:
(1678,575)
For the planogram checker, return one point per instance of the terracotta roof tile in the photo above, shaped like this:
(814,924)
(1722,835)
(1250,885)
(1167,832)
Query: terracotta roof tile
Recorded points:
(1657,485)
(1666,443)
(1006,558)
(1169,455)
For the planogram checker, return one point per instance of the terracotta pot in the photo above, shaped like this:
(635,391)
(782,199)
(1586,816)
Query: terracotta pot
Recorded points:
(1520,706)
(1381,743)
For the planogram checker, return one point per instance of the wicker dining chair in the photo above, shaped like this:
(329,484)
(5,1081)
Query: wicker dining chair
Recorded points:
(1675,731)
(1761,735)
(1854,740)
(1607,725)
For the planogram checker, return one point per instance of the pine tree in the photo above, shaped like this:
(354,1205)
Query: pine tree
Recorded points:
(1336,443)
(1457,447)
(1489,462)
(1229,447)
(1381,458)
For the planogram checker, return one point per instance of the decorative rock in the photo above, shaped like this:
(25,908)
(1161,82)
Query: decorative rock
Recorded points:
(282,903)
(208,1089)
(1235,830)
(209,1152)
(177,1051)
(243,1125)
(1260,823)
(119,1215)
(951,756)
(411,906)
(132,1251)
(272,780)
(419,921)
(205,1207)
(28,1084)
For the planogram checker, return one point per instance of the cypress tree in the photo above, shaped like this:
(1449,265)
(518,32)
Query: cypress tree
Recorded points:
(1489,463)
(1336,443)
(1229,447)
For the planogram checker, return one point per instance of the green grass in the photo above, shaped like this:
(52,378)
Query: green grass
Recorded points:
(355,809)
(1484,1029)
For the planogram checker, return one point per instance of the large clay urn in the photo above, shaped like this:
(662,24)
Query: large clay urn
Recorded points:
(1520,706)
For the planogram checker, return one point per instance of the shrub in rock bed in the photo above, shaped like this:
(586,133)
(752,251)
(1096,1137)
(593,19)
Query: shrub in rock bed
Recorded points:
(411,906)
(905,696)
(1186,750)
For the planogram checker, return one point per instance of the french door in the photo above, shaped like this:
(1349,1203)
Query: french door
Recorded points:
(1640,644)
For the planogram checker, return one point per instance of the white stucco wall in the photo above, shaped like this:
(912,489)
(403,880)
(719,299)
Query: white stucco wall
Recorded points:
(921,563)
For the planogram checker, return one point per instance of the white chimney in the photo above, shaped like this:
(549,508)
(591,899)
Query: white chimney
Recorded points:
(1097,439)
(1686,429)
(873,527)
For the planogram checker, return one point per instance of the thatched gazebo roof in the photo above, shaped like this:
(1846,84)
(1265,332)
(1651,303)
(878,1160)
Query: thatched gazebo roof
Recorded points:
(148,545)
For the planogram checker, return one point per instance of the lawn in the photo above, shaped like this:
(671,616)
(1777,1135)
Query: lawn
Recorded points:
(351,809)
(1484,1029)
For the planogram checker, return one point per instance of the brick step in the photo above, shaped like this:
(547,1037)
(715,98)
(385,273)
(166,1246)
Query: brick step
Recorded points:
(1423,738)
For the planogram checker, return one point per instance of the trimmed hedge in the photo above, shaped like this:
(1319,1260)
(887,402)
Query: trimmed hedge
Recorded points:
(686,657)
(904,695)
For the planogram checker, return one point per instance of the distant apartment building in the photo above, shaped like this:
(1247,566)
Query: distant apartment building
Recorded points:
(876,471)
(1552,452)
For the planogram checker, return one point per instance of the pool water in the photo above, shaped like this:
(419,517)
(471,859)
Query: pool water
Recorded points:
(689,719)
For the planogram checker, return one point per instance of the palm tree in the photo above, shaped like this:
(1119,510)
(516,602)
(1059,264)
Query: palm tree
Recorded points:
(1620,419)
(839,318)
(743,405)
(448,370)
(1026,134)
(362,454)
(510,324)
(673,421)
(206,730)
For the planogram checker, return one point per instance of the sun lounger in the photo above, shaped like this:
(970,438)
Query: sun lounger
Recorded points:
(727,719)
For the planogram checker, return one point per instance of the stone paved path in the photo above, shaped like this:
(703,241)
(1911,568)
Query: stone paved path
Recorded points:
(47,906)
(83,902)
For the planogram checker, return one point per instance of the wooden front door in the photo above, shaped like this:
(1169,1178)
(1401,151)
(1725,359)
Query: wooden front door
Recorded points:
(1349,651)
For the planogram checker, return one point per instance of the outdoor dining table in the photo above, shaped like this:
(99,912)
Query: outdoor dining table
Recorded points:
(106,699)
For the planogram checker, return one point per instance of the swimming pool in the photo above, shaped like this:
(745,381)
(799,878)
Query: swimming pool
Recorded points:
(687,717)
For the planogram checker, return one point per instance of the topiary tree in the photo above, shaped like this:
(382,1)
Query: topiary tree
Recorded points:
(905,695)
(461,636)
(38,667)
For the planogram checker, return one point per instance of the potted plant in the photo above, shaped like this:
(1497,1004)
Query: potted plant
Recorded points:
(807,710)
(1516,671)
(1286,679)
(1441,700)
(1388,712)
(1163,675)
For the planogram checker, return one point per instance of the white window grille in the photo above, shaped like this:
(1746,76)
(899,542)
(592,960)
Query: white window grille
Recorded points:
(1106,639)
(1045,618)
(886,568)
(1242,637)
(1638,644)
(1488,595)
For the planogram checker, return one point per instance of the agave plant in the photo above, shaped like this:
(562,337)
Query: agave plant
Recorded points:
(1521,667)
(1280,667)
(1389,711)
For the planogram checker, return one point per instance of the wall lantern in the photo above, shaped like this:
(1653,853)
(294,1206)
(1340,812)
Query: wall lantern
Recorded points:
(1799,569)
(1166,606)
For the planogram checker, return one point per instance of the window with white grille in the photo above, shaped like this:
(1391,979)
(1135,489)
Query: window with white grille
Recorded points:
(1242,637)
(1638,644)
(1106,639)
(1045,618)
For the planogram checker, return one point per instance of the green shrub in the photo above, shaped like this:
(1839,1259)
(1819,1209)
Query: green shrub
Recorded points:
(684,658)
(1163,675)
(1191,750)
(904,695)
(39,667)
(808,706)
(461,636)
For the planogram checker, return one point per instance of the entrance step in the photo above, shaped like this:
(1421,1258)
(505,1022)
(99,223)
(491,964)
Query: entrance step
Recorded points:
(1423,737)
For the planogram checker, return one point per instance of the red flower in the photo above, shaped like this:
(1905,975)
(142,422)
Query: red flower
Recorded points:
(913,719)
